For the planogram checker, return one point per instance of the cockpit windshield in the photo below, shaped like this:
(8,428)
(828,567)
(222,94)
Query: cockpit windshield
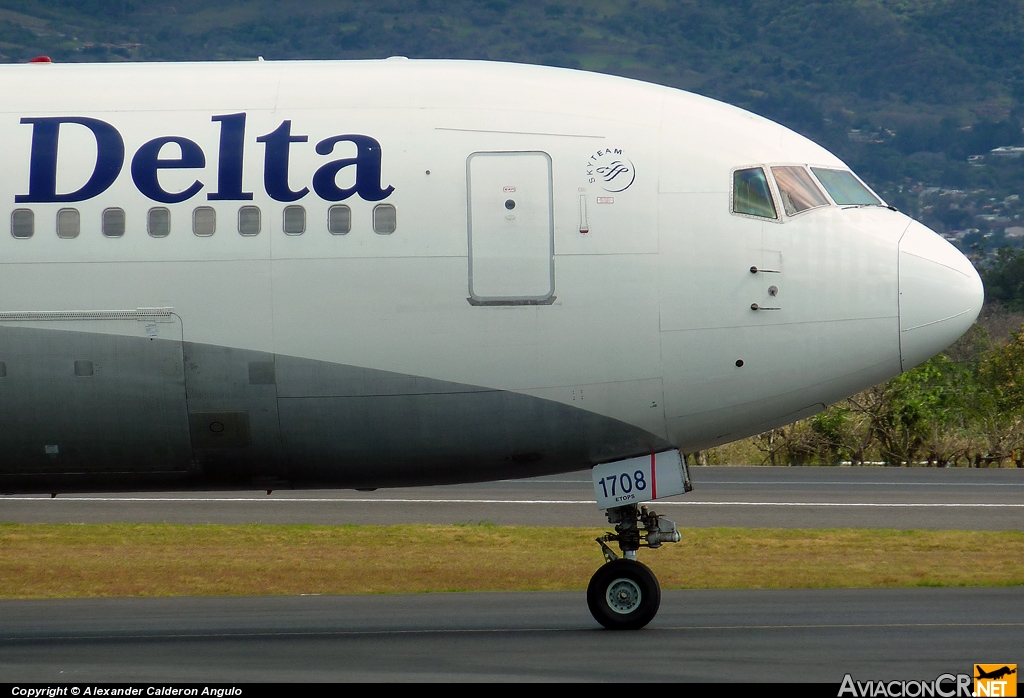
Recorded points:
(844,188)
(750,193)
(799,192)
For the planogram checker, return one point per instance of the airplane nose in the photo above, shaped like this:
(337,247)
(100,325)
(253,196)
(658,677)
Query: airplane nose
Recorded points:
(940,294)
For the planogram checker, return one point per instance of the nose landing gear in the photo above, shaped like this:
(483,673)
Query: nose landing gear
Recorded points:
(624,594)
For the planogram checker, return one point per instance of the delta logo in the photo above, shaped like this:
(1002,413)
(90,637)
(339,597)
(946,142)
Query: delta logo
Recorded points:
(180,153)
(995,680)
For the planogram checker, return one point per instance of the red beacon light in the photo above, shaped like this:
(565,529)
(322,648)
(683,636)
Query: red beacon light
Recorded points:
(41,59)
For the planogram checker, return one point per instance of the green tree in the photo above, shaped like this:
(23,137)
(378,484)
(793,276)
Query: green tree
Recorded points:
(1004,277)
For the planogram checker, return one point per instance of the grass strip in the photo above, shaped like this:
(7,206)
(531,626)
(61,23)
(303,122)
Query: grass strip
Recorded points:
(93,560)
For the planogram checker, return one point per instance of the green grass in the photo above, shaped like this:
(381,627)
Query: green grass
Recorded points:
(93,560)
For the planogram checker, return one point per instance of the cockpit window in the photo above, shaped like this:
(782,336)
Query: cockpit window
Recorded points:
(798,191)
(844,188)
(750,193)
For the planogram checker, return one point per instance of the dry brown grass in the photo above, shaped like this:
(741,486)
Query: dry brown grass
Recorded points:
(781,558)
(43,560)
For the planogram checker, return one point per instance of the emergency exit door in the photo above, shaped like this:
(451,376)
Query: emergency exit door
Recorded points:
(511,229)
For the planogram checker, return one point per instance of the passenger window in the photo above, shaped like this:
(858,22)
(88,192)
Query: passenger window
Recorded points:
(385,219)
(158,223)
(844,188)
(69,223)
(750,193)
(249,223)
(23,223)
(294,220)
(339,220)
(113,223)
(798,191)
(204,221)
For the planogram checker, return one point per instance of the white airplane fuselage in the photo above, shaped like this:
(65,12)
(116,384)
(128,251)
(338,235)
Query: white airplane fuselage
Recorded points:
(364,274)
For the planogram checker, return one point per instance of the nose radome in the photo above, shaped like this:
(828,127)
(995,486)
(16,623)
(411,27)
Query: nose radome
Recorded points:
(940,295)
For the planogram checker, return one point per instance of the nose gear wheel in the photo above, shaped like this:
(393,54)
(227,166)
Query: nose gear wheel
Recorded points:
(624,595)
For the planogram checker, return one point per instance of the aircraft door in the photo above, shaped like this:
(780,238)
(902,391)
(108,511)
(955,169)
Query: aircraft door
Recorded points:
(511,228)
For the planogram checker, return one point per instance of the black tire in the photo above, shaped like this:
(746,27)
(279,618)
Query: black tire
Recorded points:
(624,595)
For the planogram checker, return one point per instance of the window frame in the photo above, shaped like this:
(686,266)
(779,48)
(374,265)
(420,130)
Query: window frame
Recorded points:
(284,219)
(770,181)
(814,180)
(339,206)
(199,210)
(836,168)
(32,215)
(103,222)
(149,222)
(373,219)
(259,220)
(78,222)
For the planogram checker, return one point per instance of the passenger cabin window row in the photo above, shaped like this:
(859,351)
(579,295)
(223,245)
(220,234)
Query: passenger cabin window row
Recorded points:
(204,221)
(799,189)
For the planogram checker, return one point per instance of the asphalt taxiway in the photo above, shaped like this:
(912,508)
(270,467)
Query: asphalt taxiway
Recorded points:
(711,636)
(772,497)
(698,635)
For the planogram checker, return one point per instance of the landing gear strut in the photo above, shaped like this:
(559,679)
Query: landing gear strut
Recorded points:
(624,594)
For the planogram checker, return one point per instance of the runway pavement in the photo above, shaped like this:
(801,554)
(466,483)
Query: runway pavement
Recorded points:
(711,636)
(777,497)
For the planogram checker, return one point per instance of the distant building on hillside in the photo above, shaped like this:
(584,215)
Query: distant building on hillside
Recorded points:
(1008,151)
(856,135)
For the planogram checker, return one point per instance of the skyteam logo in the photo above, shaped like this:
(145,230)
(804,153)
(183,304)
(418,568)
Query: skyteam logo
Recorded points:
(610,169)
